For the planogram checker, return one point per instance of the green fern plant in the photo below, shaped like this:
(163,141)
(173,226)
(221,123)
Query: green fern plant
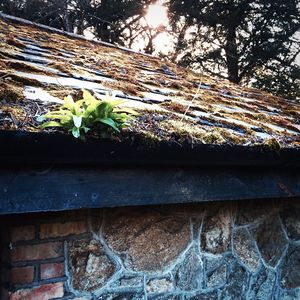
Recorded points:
(89,114)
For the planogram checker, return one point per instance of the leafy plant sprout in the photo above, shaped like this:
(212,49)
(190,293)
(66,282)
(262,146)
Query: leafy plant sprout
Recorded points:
(89,114)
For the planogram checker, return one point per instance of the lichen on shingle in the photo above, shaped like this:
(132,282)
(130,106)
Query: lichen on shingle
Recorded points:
(175,104)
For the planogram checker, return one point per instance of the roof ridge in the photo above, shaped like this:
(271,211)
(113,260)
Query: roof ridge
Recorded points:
(69,34)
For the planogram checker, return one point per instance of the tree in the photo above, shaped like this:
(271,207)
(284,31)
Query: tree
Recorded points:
(280,81)
(55,13)
(112,21)
(246,41)
(234,38)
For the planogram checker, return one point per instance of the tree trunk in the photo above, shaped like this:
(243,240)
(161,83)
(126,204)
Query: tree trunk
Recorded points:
(232,59)
(180,42)
(67,24)
(80,26)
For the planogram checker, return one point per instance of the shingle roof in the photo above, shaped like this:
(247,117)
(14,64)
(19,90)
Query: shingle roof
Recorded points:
(186,119)
(39,66)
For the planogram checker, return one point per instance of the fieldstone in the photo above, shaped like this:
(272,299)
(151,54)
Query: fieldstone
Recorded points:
(212,262)
(261,285)
(291,221)
(270,240)
(236,281)
(147,240)
(216,232)
(291,268)
(96,220)
(159,285)
(217,277)
(290,295)
(164,297)
(122,296)
(89,265)
(215,269)
(229,259)
(245,249)
(204,296)
(189,274)
(251,211)
(131,281)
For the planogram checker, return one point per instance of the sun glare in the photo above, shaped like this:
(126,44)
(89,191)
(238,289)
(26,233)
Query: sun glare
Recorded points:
(157,15)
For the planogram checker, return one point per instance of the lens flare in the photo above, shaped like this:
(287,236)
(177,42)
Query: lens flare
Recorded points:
(157,15)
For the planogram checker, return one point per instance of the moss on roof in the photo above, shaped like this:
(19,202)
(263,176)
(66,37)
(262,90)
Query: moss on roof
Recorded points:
(39,67)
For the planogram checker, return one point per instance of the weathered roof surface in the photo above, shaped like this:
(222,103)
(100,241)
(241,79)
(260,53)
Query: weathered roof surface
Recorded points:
(40,66)
(186,120)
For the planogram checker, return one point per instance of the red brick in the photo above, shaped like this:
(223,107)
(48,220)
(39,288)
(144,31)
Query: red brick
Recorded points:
(22,275)
(62,229)
(52,270)
(43,292)
(24,233)
(36,252)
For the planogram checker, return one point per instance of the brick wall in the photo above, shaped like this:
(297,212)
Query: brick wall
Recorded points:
(229,250)
(35,254)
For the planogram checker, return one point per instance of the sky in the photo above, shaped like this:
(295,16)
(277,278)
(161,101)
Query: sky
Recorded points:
(297,36)
(156,16)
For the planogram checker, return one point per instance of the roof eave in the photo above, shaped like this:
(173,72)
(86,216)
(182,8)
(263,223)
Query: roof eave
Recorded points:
(27,148)
(59,189)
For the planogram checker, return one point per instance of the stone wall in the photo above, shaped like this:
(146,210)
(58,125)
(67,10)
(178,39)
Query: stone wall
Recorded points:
(229,250)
